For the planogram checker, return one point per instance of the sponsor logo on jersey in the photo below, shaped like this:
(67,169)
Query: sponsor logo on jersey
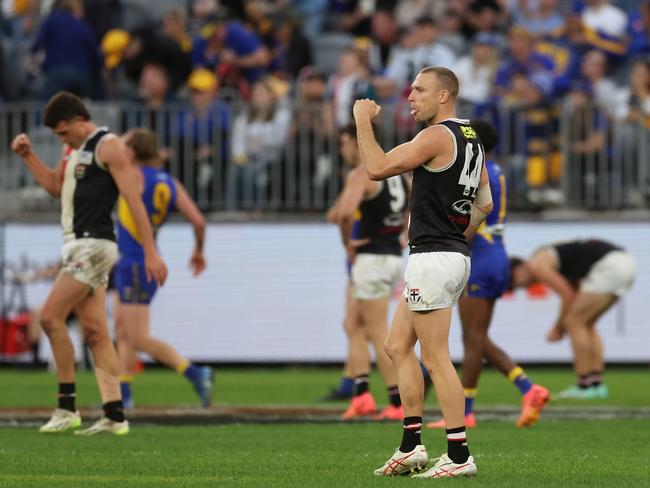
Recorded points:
(468,132)
(462,207)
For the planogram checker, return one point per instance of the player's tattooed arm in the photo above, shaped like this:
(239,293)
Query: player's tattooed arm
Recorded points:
(481,207)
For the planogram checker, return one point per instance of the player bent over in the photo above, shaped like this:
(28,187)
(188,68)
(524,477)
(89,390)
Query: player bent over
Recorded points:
(589,276)
(161,193)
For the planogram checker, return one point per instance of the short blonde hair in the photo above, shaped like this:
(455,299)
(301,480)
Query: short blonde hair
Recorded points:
(446,78)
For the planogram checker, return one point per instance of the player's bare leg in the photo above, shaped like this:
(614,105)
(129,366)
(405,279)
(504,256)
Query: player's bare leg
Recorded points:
(476,315)
(362,402)
(134,324)
(358,355)
(94,325)
(432,330)
(411,455)
(64,295)
(91,314)
(375,325)
(587,351)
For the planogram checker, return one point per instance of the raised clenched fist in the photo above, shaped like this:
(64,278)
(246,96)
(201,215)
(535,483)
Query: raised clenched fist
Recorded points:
(21,145)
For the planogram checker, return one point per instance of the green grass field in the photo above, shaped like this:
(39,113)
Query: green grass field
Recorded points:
(552,453)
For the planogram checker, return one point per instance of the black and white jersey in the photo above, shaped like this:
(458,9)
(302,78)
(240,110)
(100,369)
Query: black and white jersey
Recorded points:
(89,193)
(382,217)
(442,199)
(577,257)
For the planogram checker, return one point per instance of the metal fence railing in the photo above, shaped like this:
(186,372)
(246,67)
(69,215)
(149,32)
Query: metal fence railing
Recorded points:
(231,158)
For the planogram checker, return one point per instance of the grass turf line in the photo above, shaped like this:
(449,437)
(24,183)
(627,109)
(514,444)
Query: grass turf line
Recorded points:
(562,454)
(628,387)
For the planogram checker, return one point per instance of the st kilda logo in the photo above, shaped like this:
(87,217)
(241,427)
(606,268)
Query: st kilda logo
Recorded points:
(80,171)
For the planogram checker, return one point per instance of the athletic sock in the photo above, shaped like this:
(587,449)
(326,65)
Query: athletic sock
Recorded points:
(470,395)
(361,384)
(584,381)
(519,378)
(457,445)
(114,411)
(67,396)
(596,378)
(346,387)
(125,386)
(393,396)
(411,435)
(190,370)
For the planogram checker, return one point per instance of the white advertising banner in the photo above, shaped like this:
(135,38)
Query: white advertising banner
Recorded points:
(275,292)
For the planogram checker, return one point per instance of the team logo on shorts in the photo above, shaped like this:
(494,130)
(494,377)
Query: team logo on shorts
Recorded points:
(80,171)
(414,295)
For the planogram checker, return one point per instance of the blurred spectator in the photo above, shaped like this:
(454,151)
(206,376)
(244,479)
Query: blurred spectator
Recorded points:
(201,131)
(350,82)
(476,72)
(450,32)
(353,16)
(531,132)
(17,18)
(113,46)
(408,11)
(308,163)
(258,136)
(148,44)
(291,50)
(605,27)
(521,60)
(384,36)
(175,28)
(638,30)
(430,52)
(541,17)
(312,15)
(418,50)
(606,94)
(233,49)
(72,56)
(635,106)
(201,11)
(103,15)
(154,88)
(482,16)
(587,158)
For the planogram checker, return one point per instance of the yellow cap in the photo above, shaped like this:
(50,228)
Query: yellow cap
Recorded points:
(202,79)
(113,45)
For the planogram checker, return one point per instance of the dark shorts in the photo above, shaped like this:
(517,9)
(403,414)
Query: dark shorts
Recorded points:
(131,282)
(490,272)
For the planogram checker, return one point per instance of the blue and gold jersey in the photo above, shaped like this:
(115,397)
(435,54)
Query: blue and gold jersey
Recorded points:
(491,230)
(490,272)
(159,198)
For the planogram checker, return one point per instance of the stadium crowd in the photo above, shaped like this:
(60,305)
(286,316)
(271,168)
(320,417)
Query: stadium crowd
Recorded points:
(525,64)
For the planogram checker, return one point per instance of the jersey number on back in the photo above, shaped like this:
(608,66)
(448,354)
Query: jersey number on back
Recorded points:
(470,176)
(162,195)
(397,193)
